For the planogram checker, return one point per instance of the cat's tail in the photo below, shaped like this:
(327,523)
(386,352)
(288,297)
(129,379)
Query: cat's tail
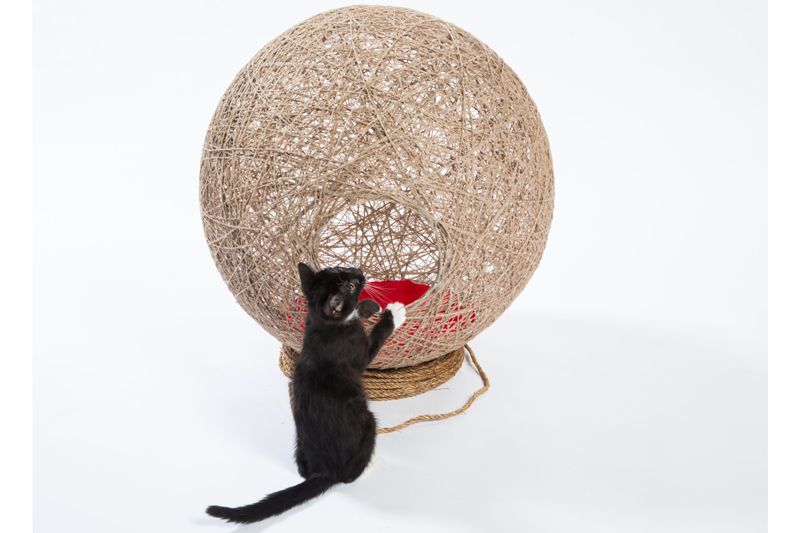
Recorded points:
(275,503)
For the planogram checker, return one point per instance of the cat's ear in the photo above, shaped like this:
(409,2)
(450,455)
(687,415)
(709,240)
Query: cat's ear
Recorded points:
(306,277)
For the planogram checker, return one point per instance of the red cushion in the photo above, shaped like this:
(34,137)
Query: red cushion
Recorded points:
(385,292)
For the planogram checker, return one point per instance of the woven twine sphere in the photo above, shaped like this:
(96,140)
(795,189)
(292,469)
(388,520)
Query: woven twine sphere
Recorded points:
(389,140)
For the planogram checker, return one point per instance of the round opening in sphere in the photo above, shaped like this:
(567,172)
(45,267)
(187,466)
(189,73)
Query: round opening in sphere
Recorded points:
(386,240)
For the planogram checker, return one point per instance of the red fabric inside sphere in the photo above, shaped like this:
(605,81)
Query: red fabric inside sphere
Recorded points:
(385,292)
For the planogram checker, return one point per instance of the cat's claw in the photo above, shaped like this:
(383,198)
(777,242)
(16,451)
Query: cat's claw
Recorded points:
(398,311)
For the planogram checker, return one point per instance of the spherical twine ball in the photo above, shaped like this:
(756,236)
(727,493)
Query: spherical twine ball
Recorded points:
(389,140)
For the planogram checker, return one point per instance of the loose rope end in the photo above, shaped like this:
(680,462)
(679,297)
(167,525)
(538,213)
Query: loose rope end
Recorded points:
(441,416)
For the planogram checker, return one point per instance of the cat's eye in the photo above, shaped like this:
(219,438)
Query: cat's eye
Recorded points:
(351,286)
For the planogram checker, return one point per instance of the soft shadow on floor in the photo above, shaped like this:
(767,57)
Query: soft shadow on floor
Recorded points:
(588,424)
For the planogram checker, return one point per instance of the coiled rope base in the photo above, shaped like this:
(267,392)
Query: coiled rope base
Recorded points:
(397,383)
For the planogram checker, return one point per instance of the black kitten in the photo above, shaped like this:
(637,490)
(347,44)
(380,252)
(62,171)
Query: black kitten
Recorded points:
(335,428)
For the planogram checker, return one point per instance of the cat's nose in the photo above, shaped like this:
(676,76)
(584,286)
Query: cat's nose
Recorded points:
(336,302)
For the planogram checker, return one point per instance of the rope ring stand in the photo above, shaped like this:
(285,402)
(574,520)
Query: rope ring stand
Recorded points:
(397,383)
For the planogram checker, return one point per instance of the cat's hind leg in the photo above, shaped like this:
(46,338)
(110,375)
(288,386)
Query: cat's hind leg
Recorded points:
(363,454)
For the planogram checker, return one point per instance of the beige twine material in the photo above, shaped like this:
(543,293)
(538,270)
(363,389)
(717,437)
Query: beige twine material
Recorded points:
(394,384)
(386,139)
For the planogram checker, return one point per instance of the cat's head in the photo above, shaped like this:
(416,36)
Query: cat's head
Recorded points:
(332,293)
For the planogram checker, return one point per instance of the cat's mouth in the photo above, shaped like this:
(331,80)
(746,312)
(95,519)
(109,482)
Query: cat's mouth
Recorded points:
(335,306)
(334,314)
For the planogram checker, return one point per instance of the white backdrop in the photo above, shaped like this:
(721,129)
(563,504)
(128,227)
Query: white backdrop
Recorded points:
(628,380)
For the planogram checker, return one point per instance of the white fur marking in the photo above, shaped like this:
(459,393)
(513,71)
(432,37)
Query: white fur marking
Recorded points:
(352,316)
(398,311)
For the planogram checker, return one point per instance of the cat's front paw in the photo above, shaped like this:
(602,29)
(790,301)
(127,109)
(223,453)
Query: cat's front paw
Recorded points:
(367,308)
(398,312)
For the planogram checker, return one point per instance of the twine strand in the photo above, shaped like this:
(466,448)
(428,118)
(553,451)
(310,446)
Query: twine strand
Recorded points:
(441,416)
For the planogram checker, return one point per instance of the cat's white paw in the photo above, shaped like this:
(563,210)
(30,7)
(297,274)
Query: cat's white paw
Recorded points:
(398,311)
